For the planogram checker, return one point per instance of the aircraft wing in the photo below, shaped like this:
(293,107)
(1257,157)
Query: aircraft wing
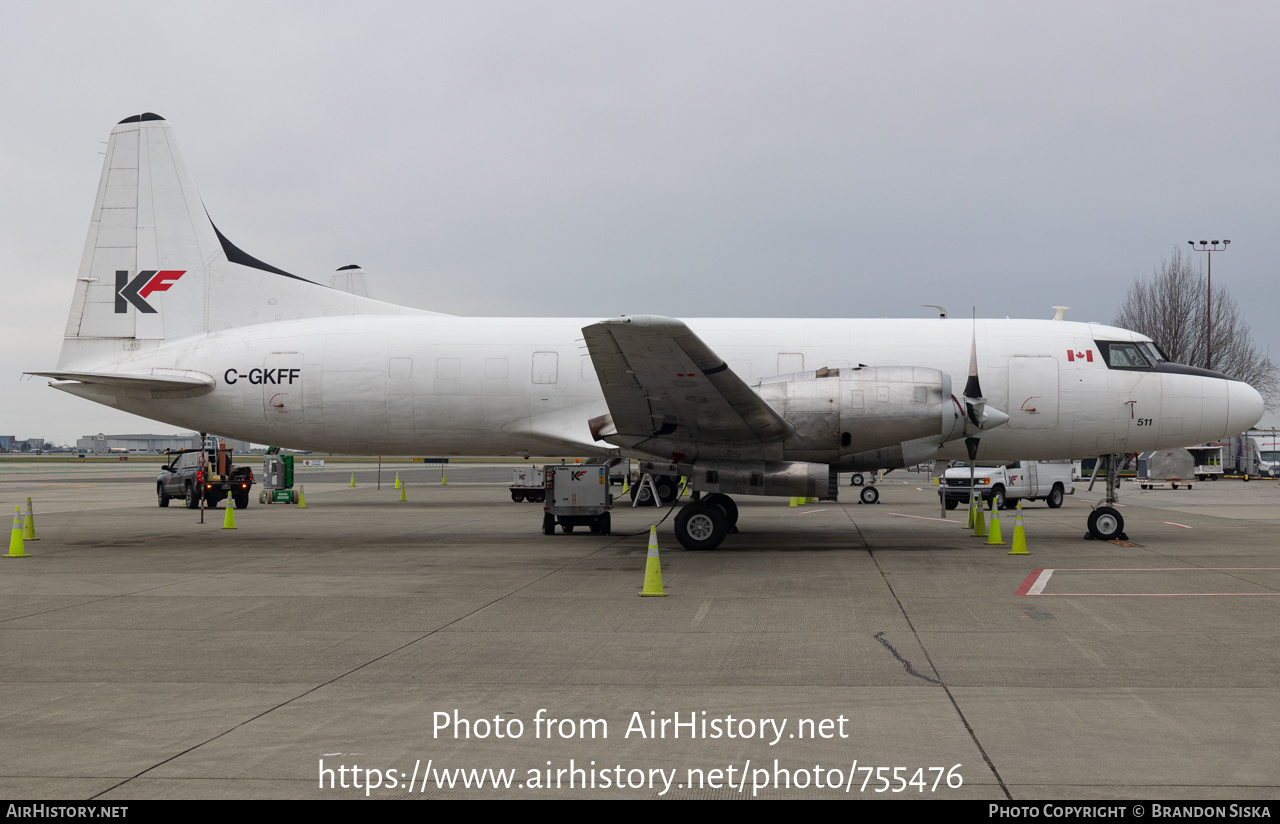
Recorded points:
(661,381)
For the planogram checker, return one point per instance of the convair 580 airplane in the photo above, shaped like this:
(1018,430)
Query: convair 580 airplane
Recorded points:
(171,321)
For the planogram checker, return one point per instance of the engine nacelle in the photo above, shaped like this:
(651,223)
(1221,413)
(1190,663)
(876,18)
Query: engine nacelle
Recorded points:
(876,417)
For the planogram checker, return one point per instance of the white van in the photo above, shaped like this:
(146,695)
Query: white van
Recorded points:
(1003,485)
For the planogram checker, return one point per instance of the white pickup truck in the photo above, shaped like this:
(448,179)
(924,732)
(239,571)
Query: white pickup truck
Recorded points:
(1003,485)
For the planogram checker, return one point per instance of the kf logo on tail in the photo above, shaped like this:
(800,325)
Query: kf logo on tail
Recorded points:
(136,291)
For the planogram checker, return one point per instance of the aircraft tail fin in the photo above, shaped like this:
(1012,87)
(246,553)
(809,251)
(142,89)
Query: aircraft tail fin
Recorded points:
(156,269)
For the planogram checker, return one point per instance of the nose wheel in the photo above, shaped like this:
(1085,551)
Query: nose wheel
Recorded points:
(869,495)
(1106,524)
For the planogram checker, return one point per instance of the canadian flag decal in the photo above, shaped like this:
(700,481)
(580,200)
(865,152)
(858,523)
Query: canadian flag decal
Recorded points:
(1086,355)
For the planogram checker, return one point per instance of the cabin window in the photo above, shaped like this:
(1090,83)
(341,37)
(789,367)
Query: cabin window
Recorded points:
(448,369)
(546,367)
(400,368)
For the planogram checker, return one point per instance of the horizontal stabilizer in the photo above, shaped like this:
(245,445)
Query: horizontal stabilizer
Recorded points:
(184,383)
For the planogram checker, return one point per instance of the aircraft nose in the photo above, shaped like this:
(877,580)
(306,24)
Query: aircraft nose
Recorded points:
(1244,407)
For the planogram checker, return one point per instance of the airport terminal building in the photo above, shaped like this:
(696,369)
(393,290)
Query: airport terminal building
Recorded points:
(147,444)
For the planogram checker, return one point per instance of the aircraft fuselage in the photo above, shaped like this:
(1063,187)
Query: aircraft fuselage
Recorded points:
(445,385)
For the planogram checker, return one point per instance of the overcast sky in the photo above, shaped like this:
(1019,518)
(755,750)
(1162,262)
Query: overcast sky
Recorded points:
(688,158)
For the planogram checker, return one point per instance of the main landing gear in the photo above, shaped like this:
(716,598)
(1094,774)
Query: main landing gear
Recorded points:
(1105,521)
(704,523)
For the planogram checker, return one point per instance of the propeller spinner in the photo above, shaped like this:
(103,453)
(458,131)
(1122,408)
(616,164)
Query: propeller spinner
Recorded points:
(978,416)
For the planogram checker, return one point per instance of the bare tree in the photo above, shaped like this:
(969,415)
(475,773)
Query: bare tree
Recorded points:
(1170,308)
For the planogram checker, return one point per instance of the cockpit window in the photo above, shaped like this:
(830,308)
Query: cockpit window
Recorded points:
(1125,355)
(1152,351)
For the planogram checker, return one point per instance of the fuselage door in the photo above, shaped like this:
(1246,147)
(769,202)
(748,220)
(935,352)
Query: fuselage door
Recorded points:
(282,387)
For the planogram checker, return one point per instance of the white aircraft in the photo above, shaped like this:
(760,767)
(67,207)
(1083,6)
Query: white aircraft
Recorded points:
(171,321)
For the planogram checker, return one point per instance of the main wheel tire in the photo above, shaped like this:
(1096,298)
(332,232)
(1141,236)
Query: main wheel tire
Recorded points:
(668,488)
(161,498)
(727,506)
(1106,524)
(242,501)
(193,499)
(869,495)
(700,526)
(1055,497)
(856,479)
(517,495)
(548,524)
(950,503)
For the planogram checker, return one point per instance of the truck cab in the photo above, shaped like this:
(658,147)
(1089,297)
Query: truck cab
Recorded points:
(208,474)
(1003,485)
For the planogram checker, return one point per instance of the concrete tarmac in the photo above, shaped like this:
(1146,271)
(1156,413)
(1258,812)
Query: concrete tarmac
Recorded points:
(147,655)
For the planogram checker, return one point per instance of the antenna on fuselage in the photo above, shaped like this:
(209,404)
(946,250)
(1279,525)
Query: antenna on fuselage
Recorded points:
(942,310)
(1059,311)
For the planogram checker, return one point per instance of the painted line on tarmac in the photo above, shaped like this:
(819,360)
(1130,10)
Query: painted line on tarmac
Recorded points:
(1179,526)
(1035,583)
(920,518)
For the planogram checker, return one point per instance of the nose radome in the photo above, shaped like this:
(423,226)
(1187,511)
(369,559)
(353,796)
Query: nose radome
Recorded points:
(1244,407)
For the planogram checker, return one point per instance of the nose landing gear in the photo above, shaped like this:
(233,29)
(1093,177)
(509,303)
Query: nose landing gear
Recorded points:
(1105,522)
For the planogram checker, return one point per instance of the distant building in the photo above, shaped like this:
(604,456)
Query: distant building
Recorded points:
(147,444)
(7,443)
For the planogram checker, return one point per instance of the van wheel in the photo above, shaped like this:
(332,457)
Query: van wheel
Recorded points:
(1055,497)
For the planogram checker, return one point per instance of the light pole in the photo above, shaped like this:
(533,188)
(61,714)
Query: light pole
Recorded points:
(1209,246)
